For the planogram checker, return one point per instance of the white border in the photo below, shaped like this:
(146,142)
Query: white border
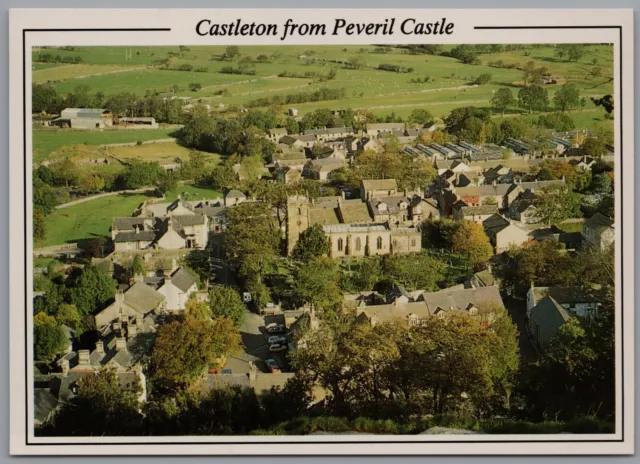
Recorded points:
(182,24)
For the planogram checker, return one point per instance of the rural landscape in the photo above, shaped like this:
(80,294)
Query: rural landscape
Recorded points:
(295,240)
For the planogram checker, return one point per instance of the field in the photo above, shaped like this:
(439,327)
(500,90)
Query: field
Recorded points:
(92,219)
(367,87)
(88,220)
(45,142)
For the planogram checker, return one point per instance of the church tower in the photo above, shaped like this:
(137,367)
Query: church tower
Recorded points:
(297,219)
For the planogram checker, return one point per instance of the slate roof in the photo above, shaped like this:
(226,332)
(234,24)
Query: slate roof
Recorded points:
(549,315)
(495,223)
(564,295)
(380,184)
(354,211)
(598,221)
(144,236)
(183,279)
(189,219)
(142,298)
(392,203)
(235,194)
(479,210)
(44,403)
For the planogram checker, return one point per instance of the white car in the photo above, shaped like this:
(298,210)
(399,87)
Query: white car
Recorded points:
(276,339)
(274,328)
(277,347)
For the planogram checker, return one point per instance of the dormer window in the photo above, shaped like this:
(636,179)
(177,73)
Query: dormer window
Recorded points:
(382,207)
(473,311)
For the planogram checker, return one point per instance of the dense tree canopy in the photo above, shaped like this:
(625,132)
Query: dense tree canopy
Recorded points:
(92,290)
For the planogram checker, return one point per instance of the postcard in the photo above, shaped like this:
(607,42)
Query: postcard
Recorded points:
(321,232)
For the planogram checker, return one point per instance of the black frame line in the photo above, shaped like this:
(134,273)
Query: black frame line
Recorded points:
(351,442)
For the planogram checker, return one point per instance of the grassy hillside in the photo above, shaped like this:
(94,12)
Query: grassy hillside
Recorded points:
(367,87)
(47,141)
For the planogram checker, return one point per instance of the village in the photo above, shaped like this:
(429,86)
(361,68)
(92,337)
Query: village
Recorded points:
(348,234)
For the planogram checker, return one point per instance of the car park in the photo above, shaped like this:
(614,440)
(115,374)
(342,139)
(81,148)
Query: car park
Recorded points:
(274,328)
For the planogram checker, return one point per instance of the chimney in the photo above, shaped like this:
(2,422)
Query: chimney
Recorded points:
(64,364)
(132,330)
(100,347)
(137,228)
(116,327)
(494,183)
(83,358)
(489,268)
(119,297)
(138,278)
(139,320)
(121,344)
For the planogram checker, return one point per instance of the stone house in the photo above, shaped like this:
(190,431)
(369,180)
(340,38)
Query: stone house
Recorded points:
(176,288)
(137,302)
(84,118)
(576,300)
(523,208)
(545,319)
(370,189)
(599,232)
(503,234)
(477,214)
(321,169)
(385,127)
(275,134)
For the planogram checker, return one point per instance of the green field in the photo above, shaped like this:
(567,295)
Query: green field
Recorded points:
(93,218)
(88,220)
(47,141)
(366,88)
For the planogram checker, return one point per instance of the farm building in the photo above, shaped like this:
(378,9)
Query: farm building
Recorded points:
(84,118)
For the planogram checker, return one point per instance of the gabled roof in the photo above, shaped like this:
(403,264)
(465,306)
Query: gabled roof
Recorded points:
(495,223)
(354,211)
(479,210)
(183,279)
(235,194)
(549,315)
(599,221)
(380,184)
(142,298)
(564,295)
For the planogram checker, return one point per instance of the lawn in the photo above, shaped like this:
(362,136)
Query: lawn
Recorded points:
(159,151)
(88,220)
(47,141)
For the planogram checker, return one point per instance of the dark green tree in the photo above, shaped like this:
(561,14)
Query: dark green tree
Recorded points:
(311,244)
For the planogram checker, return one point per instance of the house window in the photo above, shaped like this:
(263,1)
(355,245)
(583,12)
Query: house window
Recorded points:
(340,244)
(379,243)
(358,244)
(413,242)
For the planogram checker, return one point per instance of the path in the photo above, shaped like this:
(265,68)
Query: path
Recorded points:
(116,71)
(409,105)
(102,195)
(440,89)
(239,82)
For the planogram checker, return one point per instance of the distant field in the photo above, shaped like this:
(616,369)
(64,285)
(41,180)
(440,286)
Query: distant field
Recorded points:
(366,87)
(88,220)
(45,142)
(76,71)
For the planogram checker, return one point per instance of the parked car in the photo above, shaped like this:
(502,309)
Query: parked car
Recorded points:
(277,347)
(276,339)
(274,328)
(273,366)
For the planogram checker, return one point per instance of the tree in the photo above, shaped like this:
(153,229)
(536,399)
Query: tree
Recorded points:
(231,52)
(195,86)
(49,340)
(197,310)
(39,225)
(251,168)
(44,197)
(601,184)
(45,98)
(91,183)
(253,238)
(102,407)
(140,174)
(572,52)
(471,241)
(184,349)
(507,356)
(593,147)
(413,271)
(137,266)
(311,244)
(316,284)
(420,116)
(92,290)
(167,181)
(226,302)
(503,99)
(533,98)
(556,203)
(368,273)
(482,79)
(576,375)
(64,173)
(567,97)
(69,315)
(417,174)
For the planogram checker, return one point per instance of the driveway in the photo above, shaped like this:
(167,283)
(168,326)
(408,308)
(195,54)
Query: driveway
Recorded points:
(254,340)
(517,309)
